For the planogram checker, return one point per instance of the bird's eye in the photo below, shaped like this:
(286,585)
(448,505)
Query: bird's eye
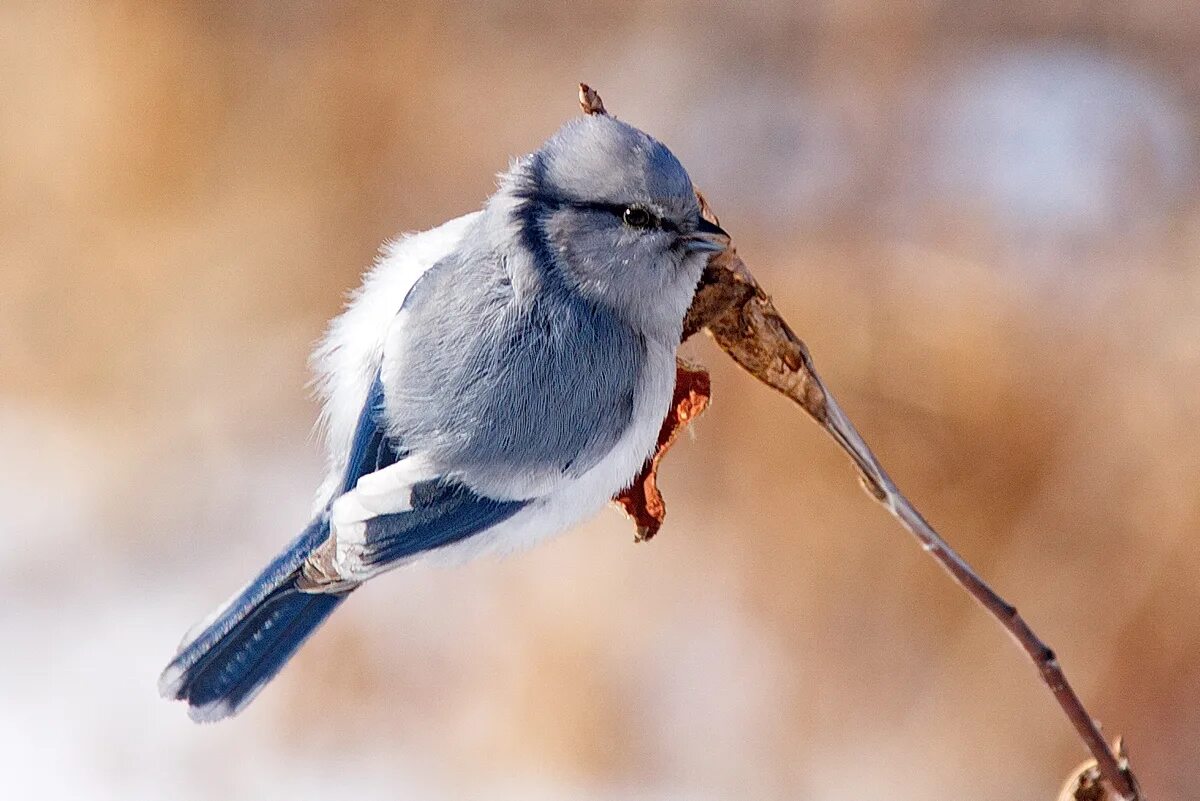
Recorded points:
(637,217)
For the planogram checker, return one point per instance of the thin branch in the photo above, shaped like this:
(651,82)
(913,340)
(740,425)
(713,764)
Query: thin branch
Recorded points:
(732,307)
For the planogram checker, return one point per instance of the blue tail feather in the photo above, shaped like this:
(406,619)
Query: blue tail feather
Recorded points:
(227,678)
(222,668)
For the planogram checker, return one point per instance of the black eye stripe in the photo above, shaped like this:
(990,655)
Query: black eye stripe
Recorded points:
(615,209)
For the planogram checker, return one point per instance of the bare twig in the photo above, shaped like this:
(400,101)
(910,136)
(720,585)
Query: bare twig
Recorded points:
(732,307)
(756,336)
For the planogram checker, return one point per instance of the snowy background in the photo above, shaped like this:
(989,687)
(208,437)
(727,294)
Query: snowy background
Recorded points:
(984,218)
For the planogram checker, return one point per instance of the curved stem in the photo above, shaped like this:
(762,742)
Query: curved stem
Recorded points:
(881,486)
(732,307)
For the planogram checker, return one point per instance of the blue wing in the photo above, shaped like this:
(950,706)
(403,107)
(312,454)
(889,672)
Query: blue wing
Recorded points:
(371,449)
(443,510)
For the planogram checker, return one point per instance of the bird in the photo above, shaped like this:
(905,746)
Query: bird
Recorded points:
(494,381)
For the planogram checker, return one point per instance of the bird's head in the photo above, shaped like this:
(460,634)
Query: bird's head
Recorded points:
(614,212)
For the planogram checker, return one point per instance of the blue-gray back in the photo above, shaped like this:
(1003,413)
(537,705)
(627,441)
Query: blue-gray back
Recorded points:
(502,369)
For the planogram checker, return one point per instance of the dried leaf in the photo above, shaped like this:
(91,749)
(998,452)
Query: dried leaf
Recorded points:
(1083,784)
(642,500)
(589,100)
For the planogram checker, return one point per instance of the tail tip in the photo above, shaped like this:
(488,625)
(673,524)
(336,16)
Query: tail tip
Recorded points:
(170,682)
(171,686)
(212,711)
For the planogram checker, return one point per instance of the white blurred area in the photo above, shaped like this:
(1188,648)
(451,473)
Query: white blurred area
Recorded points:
(983,219)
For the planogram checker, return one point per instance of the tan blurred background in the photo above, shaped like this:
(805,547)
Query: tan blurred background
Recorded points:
(983,217)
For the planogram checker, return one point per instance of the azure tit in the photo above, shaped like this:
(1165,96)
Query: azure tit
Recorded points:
(495,380)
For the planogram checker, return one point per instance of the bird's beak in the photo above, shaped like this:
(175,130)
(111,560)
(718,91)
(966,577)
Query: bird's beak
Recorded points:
(708,238)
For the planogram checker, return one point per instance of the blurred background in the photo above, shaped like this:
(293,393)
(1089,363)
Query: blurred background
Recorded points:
(983,218)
